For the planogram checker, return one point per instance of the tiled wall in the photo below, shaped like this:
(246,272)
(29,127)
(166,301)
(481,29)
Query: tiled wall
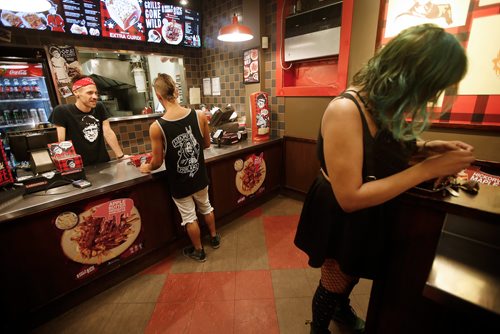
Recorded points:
(225,60)
(133,135)
(277,104)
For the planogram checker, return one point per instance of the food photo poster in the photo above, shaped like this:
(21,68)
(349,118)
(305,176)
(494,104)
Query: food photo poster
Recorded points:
(251,66)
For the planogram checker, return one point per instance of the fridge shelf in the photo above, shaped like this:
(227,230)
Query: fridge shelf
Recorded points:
(8,126)
(24,100)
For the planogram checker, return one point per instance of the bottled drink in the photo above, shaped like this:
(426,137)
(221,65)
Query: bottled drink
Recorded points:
(42,116)
(2,119)
(26,89)
(35,89)
(17,116)
(25,116)
(16,87)
(8,116)
(7,88)
(3,96)
(34,115)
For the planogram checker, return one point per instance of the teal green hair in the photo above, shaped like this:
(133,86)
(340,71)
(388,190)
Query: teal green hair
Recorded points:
(414,68)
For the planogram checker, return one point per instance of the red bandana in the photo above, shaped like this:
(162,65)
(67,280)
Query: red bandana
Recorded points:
(82,83)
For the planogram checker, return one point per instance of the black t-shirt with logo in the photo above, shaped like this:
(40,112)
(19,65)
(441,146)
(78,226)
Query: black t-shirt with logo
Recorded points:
(84,129)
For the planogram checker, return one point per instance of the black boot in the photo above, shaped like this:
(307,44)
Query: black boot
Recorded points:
(346,316)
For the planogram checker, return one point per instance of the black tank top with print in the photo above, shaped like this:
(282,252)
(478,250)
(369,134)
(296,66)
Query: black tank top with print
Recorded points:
(184,159)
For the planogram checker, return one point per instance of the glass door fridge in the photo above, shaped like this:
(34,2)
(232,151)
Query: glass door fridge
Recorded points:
(26,96)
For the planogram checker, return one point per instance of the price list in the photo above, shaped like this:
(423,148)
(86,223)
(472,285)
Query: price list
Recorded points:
(82,17)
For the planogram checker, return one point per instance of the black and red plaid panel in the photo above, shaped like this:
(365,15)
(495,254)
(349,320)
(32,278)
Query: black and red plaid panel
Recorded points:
(478,110)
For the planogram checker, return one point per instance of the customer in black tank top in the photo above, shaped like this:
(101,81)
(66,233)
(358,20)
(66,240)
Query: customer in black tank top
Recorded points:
(371,117)
(178,138)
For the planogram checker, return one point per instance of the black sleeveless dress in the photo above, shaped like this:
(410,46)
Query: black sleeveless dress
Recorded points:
(320,229)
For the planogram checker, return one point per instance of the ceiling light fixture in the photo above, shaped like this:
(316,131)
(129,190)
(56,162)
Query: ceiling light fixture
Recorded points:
(235,32)
(183,2)
(30,6)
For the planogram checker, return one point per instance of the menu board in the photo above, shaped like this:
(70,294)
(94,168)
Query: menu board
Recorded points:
(141,20)
(50,20)
(122,19)
(171,24)
(82,17)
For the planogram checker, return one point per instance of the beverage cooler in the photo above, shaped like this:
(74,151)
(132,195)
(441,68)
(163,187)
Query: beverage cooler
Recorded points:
(26,95)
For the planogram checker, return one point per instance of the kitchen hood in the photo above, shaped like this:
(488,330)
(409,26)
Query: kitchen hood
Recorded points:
(109,73)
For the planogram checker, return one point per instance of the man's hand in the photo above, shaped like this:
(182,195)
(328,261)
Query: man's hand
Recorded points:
(145,168)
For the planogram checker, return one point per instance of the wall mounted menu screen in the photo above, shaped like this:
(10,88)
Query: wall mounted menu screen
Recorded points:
(171,24)
(82,17)
(122,19)
(50,20)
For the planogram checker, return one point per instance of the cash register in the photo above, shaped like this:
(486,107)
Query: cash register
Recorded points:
(35,168)
(224,129)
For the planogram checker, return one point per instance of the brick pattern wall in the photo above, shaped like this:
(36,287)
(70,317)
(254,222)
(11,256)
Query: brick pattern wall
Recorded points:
(277,104)
(221,59)
(133,135)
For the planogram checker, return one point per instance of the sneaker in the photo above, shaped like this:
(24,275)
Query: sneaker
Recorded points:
(191,252)
(215,241)
(345,315)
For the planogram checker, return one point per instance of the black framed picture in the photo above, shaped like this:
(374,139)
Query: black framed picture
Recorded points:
(251,66)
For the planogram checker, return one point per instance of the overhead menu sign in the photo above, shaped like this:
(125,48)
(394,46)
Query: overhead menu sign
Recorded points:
(171,24)
(122,19)
(154,21)
(82,17)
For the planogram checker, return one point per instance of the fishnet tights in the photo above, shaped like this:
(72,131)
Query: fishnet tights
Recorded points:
(334,280)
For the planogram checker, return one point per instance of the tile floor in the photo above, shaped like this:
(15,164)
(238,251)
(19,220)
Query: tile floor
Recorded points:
(256,282)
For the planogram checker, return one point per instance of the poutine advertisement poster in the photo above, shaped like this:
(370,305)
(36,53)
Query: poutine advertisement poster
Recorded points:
(250,176)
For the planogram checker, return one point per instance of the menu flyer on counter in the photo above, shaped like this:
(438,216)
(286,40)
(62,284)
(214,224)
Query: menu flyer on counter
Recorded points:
(82,17)
(123,19)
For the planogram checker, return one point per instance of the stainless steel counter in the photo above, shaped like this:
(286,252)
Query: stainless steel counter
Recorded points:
(108,177)
(134,117)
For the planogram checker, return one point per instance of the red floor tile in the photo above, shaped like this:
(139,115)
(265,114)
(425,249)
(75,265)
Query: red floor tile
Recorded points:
(255,317)
(180,288)
(216,286)
(162,267)
(169,318)
(254,285)
(282,253)
(254,213)
(213,318)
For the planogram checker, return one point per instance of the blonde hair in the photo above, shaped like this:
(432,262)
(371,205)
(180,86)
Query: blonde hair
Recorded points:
(165,86)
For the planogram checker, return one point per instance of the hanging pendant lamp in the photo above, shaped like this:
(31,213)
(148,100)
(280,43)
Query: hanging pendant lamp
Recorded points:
(29,6)
(235,32)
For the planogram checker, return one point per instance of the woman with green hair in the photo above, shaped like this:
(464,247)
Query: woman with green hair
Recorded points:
(376,122)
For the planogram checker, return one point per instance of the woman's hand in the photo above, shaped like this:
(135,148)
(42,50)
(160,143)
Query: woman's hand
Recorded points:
(448,163)
(441,146)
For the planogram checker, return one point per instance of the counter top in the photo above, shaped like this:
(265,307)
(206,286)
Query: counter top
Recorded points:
(134,117)
(108,177)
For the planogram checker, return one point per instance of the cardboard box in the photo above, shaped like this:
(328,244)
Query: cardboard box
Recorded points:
(64,156)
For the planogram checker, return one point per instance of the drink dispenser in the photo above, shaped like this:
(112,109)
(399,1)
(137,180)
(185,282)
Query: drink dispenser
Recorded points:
(261,116)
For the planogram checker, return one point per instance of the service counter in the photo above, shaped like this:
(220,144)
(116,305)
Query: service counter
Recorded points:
(440,271)
(52,260)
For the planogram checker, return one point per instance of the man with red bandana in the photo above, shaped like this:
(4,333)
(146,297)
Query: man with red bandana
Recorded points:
(86,124)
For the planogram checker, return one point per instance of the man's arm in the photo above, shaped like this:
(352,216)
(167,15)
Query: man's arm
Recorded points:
(156,149)
(111,139)
(61,133)
(205,130)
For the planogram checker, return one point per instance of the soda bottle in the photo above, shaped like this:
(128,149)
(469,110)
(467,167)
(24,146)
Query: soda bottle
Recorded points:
(25,116)
(26,88)
(42,116)
(35,89)
(17,89)
(7,88)
(3,96)
(2,119)
(8,117)
(34,115)
(17,116)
